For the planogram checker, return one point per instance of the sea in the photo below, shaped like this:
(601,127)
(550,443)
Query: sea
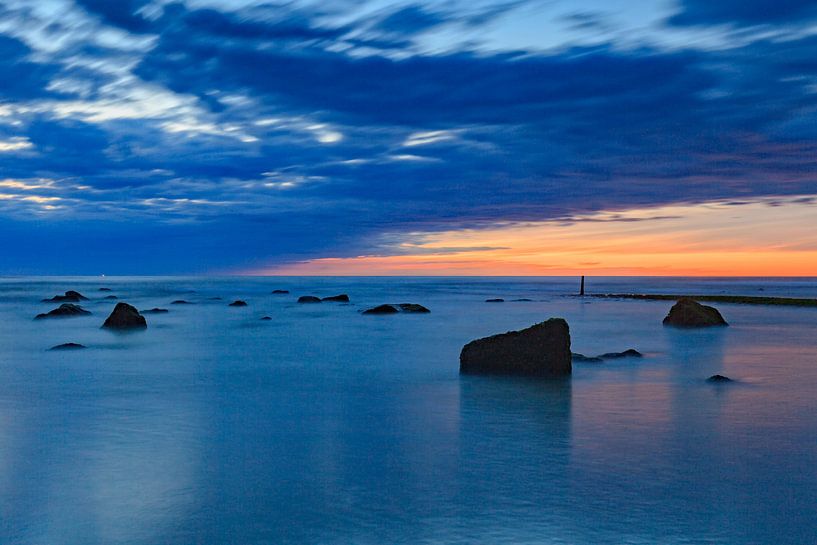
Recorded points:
(323,425)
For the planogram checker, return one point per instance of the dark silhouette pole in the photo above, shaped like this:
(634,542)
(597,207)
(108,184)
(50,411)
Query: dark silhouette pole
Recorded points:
(581,291)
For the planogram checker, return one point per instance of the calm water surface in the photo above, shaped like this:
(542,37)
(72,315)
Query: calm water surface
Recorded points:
(326,426)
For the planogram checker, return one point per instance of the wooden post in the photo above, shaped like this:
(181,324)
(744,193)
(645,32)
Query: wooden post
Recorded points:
(581,291)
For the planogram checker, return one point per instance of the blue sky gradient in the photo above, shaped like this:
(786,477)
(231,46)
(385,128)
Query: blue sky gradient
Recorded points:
(207,136)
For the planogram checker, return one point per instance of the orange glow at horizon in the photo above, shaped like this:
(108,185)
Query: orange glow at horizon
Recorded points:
(768,237)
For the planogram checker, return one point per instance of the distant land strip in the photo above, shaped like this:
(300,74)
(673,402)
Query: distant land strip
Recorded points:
(739,299)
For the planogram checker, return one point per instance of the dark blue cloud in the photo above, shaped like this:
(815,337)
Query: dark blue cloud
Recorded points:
(744,12)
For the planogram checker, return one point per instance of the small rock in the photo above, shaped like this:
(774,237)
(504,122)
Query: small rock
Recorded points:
(68,346)
(540,350)
(155,311)
(69,297)
(495,300)
(413,308)
(629,353)
(238,303)
(266,319)
(382,309)
(689,313)
(342,298)
(719,378)
(576,357)
(214,299)
(523,300)
(181,302)
(104,289)
(124,316)
(280,292)
(65,310)
(111,297)
(308,299)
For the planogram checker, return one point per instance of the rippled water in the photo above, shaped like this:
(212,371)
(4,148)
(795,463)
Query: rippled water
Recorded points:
(326,426)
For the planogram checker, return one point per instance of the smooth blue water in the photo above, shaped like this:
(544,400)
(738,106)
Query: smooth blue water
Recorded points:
(327,426)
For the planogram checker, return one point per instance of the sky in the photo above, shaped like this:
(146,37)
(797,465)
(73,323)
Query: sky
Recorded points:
(466,137)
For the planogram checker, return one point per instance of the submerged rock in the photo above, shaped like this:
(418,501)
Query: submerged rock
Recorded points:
(689,313)
(413,308)
(280,292)
(214,299)
(65,310)
(719,378)
(104,289)
(382,309)
(112,297)
(69,297)
(342,298)
(68,346)
(495,300)
(540,350)
(629,353)
(266,319)
(238,303)
(581,358)
(124,316)
(523,300)
(155,310)
(308,299)
(181,302)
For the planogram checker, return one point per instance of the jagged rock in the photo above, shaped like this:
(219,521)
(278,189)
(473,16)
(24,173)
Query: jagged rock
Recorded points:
(540,350)
(181,302)
(124,316)
(382,309)
(68,346)
(689,313)
(629,353)
(280,292)
(308,299)
(719,378)
(495,300)
(65,310)
(238,303)
(155,311)
(413,308)
(69,297)
(581,358)
(266,319)
(342,298)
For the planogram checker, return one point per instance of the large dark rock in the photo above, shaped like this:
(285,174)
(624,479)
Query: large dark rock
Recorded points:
(238,303)
(540,350)
(68,346)
(65,310)
(69,297)
(382,309)
(689,313)
(308,299)
(413,308)
(124,316)
(342,298)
